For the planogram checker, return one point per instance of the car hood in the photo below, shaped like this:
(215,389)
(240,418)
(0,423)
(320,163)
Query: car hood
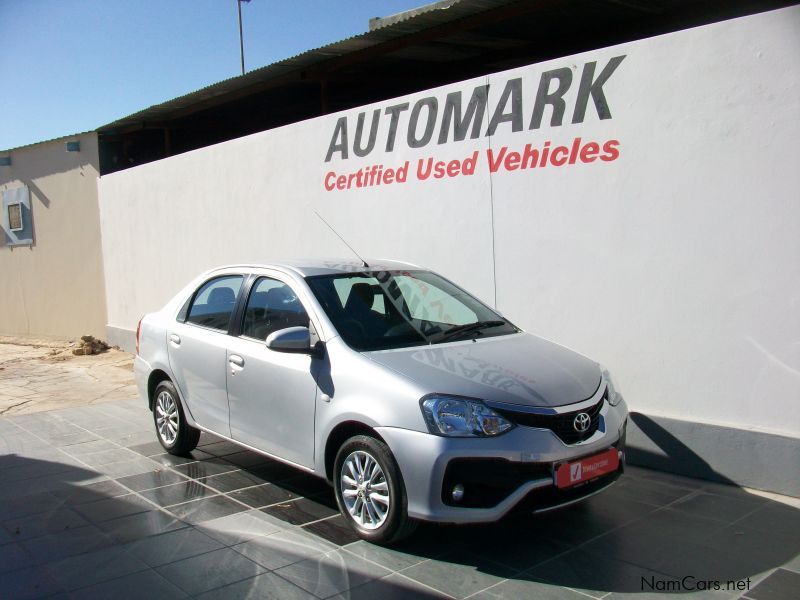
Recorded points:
(516,369)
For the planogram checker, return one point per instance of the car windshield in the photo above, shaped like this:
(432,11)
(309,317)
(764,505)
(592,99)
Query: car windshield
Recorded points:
(380,310)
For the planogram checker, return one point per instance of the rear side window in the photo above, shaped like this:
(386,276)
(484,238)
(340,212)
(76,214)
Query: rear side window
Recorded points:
(214,302)
(272,306)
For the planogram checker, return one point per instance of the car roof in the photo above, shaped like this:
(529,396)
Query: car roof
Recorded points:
(328,266)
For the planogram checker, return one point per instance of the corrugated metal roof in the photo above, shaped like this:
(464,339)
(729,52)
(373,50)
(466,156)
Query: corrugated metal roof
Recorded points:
(56,139)
(397,26)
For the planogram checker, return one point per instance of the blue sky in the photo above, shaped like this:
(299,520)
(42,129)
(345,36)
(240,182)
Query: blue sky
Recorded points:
(72,65)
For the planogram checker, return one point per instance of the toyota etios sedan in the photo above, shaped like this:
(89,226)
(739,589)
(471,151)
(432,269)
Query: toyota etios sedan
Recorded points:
(416,400)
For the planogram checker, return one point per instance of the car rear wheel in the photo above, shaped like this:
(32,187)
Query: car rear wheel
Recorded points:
(174,433)
(370,491)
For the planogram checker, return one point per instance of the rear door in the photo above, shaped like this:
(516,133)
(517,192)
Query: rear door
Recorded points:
(197,345)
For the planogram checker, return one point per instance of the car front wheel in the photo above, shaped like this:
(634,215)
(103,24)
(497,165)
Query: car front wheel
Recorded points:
(175,434)
(370,491)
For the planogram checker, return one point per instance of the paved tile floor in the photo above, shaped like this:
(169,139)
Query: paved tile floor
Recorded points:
(90,507)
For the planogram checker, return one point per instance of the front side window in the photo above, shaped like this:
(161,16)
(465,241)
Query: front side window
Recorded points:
(393,309)
(214,302)
(272,306)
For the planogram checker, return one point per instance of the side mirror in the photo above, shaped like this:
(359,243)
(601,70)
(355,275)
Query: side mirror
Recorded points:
(291,339)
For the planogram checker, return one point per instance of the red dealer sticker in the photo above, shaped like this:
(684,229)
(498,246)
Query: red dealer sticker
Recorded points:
(573,473)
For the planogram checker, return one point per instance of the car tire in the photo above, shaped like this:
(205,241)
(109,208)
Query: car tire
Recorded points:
(370,491)
(173,432)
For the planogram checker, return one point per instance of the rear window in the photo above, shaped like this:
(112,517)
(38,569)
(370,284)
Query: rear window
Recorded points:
(214,302)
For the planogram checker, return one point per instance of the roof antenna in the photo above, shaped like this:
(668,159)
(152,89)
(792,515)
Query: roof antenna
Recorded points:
(343,240)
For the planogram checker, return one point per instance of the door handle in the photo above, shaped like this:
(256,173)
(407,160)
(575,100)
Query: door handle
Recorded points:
(175,339)
(236,360)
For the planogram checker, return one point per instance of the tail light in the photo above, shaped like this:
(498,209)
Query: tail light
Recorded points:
(138,331)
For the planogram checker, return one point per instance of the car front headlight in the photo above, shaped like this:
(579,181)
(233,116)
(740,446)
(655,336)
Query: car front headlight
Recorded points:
(614,395)
(454,416)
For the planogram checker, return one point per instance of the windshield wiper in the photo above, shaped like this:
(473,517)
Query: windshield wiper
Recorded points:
(468,327)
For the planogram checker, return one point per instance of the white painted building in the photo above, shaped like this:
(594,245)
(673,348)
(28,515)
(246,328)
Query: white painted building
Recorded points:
(659,235)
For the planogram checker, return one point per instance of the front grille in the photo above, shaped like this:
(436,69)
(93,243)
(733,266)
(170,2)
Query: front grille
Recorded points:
(562,424)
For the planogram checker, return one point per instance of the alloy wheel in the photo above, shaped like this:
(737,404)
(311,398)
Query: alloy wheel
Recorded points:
(167,417)
(364,490)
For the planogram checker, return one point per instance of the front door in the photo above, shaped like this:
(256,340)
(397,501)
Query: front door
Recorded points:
(271,394)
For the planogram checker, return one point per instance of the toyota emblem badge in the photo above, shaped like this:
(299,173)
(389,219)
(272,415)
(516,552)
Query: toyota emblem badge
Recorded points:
(582,422)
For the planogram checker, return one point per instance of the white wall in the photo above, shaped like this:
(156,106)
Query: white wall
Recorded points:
(677,264)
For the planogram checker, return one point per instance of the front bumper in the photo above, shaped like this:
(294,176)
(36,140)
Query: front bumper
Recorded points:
(522,477)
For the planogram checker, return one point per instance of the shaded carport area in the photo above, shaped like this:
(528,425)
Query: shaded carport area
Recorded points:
(91,507)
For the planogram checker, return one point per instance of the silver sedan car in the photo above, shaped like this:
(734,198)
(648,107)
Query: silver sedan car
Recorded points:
(413,398)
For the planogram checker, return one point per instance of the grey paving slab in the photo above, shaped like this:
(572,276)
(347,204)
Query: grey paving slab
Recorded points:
(331,573)
(126,468)
(178,493)
(724,508)
(391,587)
(70,439)
(300,511)
(52,522)
(135,438)
(781,585)
(459,574)
(389,558)
(208,571)
(105,457)
(144,584)
(134,527)
(518,547)
(240,527)
(14,556)
(263,495)
(113,508)
(334,529)
(763,550)
(222,448)
(32,582)
(151,479)
(173,546)
(247,459)
(283,549)
(236,480)
(92,492)
(523,588)
(206,468)
(774,516)
(793,564)
(680,525)
(593,575)
(38,469)
(52,547)
(28,505)
(148,447)
(169,460)
(206,509)
(267,586)
(5,537)
(89,447)
(94,567)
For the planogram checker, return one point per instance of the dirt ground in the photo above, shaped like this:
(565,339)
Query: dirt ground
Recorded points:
(43,374)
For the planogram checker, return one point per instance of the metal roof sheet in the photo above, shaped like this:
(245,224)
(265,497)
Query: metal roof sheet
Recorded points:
(397,26)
